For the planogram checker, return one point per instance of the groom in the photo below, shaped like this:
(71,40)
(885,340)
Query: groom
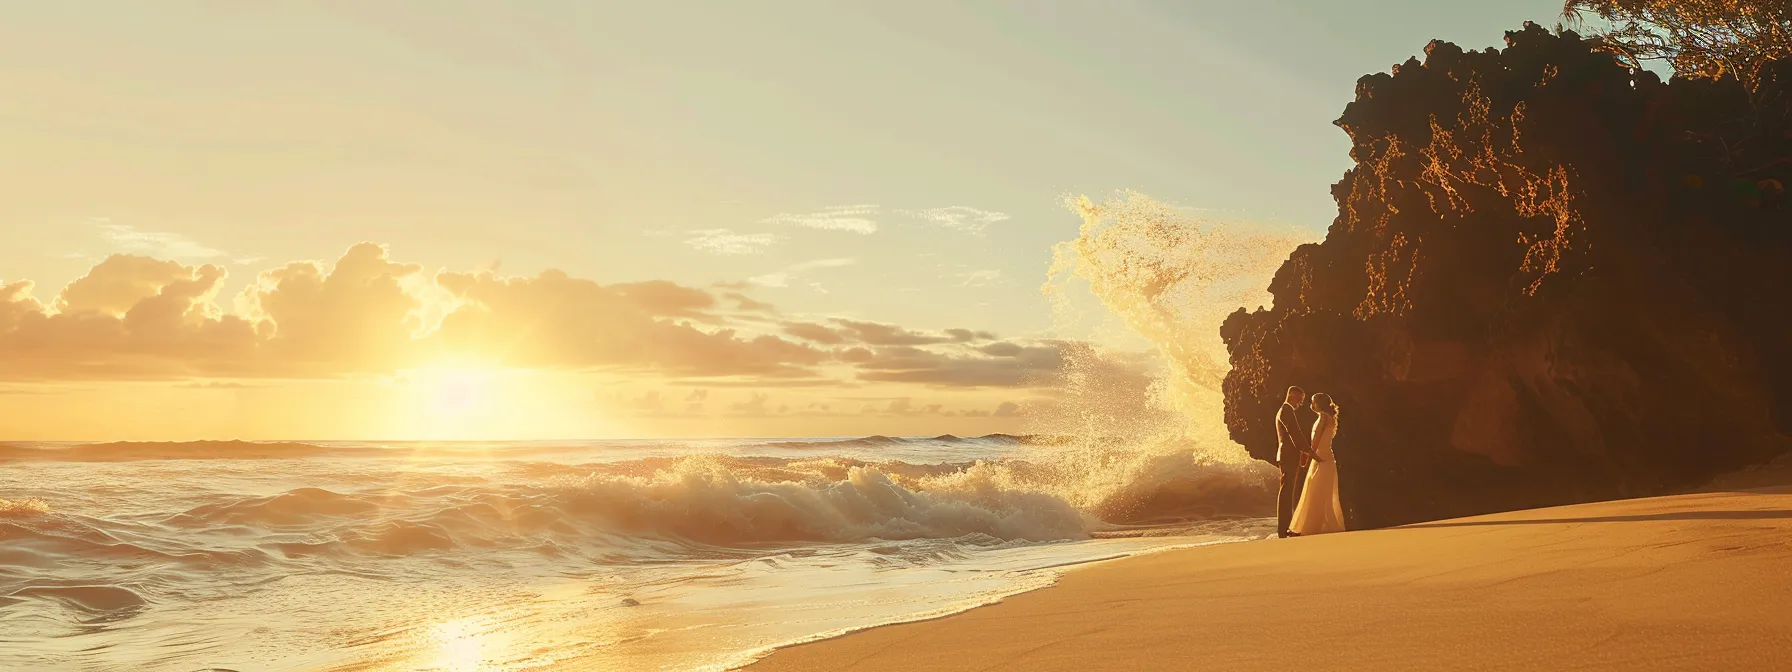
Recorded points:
(1293,434)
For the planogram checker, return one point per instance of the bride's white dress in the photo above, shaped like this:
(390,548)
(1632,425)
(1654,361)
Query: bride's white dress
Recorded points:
(1319,510)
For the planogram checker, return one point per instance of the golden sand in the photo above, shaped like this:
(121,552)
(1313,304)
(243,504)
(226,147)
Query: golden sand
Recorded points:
(1691,582)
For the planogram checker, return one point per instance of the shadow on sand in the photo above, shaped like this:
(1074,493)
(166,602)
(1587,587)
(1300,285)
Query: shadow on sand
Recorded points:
(1642,517)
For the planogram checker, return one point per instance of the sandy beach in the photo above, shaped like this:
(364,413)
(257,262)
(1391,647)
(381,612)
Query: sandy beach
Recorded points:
(1690,582)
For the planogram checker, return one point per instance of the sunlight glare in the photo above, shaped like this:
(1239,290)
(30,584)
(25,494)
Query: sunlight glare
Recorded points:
(464,644)
(453,391)
(454,400)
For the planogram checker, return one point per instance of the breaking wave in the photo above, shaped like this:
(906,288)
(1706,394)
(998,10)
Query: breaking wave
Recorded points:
(718,501)
(654,509)
(23,507)
(173,450)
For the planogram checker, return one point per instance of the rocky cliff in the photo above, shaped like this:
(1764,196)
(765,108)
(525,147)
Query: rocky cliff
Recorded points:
(1552,279)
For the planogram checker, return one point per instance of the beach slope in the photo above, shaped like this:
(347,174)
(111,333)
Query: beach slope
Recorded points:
(1686,582)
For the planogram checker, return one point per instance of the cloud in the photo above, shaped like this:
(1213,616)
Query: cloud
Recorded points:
(357,315)
(133,317)
(851,218)
(650,404)
(31,391)
(905,407)
(783,277)
(773,280)
(17,305)
(365,314)
(170,329)
(816,381)
(862,218)
(755,405)
(1007,409)
(967,336)
(119,282)
(823,263)
(661,298)
(1015,365)
(1003,349)
(746,303)
(875,333)
(982,278)
(554,320)
(726,242)
(155,243)
(963,218)
(815,333)
(217,385)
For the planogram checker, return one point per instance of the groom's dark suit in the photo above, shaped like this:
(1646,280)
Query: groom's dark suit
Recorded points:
(1294,431)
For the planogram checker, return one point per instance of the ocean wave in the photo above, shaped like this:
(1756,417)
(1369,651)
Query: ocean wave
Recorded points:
(696,503)
(125,451)
(717,501)
(874,441)
(881,441)
(657,507)
(294,508)
(48,539)
(29,506)
(704,500)
(92,599)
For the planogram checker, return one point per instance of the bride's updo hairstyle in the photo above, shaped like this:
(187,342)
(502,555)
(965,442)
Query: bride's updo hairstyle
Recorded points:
(1324,401)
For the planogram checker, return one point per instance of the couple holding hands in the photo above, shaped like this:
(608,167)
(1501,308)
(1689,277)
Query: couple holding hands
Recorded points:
(1309,498)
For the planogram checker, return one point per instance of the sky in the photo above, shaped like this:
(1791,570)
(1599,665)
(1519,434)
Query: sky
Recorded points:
(561,219)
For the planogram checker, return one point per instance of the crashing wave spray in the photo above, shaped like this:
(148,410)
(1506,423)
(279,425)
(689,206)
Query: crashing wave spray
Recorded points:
(1149,441)
(1172,279)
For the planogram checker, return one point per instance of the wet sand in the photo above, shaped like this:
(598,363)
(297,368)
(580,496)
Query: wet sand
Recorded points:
(1691,582)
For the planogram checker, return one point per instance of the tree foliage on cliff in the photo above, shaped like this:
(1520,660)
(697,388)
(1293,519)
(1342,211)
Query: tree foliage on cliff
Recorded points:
(1700,38)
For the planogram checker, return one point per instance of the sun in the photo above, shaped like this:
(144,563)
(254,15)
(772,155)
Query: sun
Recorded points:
(456,392)
(471,400)
(455,400)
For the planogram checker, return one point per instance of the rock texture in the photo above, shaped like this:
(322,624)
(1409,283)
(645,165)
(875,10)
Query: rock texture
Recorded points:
(1552,279)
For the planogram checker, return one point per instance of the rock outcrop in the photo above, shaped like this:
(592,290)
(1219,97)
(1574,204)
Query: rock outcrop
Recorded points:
(1552,279)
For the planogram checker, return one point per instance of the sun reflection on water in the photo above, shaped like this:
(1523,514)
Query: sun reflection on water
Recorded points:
(471,644)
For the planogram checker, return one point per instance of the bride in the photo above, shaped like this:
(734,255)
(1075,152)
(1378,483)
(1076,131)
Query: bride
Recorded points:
(1319,511)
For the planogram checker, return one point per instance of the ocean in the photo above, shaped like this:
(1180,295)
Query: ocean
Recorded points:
(636,555)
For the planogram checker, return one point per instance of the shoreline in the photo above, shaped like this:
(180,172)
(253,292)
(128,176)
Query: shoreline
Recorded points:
(1678,582)
(1050,575)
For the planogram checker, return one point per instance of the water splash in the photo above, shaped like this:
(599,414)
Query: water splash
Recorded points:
(1171,278)
(1148,440)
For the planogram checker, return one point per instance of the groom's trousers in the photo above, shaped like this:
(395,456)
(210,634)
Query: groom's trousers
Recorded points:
(1293,477)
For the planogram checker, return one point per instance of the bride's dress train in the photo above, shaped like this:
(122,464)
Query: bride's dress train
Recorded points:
(1319,510)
